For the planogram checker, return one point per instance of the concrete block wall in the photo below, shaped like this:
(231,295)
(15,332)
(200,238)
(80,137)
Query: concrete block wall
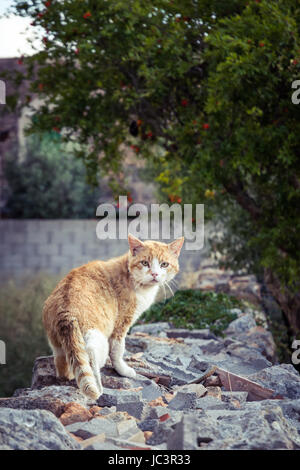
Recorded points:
(56,246)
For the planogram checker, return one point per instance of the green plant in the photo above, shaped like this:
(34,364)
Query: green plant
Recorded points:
(48,183)
(195,309)
(282,341)
(22,330)
(209,86)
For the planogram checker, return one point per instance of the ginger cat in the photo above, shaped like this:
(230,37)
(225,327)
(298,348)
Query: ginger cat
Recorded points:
(89,313)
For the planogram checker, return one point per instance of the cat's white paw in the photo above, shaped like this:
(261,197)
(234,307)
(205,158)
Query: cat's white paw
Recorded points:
(126,371)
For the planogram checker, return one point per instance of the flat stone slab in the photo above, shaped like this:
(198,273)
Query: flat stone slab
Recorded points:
(33,430)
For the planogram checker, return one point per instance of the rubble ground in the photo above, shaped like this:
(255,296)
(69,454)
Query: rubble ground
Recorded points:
(247,401)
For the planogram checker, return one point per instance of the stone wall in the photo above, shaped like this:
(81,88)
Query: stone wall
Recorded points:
(56,246)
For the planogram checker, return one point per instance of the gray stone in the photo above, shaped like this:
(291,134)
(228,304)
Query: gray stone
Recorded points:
(262,340)
(148,424)
(127,427)
(290,409)
(113,425)
(240,325)
(198,389)
(106,445)
(197,364)
(229,397)
(225,429)
(252,362)
(155,329)
(94,427)
(52,398)
(186,396)
(184,436)
(212,347)
(155,412)
(136,408)
(107,410)
(283,378)
(43,373)
(183,400)
(210,403)
(150,389)
(179,374)
(111,397)
(33,430)
(128,444)
(162,431)
(265,429)
(195,334)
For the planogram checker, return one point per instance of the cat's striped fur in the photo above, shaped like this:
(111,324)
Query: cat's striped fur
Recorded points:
(89,313)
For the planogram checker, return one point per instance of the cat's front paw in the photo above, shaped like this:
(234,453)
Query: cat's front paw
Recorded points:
(126,371)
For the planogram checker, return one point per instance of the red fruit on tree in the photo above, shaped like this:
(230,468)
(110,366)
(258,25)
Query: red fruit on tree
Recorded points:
(184,103)
(261,44)
(88,14)
(135,148)
(206,126)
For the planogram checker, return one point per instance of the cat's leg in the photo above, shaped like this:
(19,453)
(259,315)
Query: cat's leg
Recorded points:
(61,365)
(117,349)
(97,349)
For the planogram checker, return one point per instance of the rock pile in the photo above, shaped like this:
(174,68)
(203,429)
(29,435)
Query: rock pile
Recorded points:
(210,277)
(246,401)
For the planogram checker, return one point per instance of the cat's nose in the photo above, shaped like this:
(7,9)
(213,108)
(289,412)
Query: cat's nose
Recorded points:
(154,275)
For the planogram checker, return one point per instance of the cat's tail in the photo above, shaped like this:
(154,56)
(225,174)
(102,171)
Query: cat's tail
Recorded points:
(78,360)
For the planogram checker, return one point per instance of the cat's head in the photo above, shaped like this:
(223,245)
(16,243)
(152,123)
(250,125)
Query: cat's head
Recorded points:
(151,262)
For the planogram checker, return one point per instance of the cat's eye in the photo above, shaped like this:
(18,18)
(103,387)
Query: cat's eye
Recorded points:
(145,263)
(164,264)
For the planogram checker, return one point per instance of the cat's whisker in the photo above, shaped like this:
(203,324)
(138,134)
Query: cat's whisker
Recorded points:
(175,286)
(165,292)
(169,288)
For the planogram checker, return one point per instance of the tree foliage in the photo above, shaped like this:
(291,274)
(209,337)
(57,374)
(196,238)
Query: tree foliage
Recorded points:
(208,84)
(48,183)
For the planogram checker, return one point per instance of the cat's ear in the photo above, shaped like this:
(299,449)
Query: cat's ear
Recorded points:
(176,245)
(135,244)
